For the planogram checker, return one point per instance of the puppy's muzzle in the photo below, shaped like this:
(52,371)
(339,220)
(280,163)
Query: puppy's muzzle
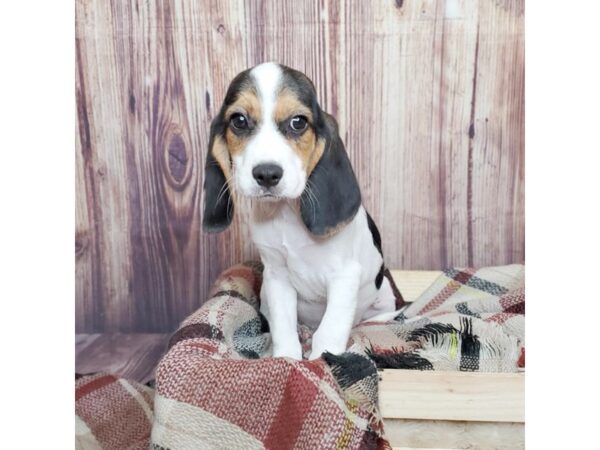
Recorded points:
(267,175)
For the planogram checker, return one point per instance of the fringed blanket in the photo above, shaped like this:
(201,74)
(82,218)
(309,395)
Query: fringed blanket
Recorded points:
(217,388)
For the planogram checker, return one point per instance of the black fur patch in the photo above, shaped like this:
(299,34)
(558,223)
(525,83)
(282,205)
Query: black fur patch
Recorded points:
(375,233)
(377,243)
(379,277)
(302,87)
(332,182)
(218,206)
(242,81)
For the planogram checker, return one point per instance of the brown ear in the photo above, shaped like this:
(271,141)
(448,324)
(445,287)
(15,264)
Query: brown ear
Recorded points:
(218,204)
(332,196)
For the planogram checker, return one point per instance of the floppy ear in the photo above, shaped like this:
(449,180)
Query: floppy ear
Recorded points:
(218,205)
(332,196)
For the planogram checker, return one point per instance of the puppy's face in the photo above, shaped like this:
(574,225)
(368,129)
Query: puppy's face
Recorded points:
(269,145)
(272,141)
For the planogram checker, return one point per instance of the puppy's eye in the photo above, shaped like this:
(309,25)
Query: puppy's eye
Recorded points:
(298,124)
(239,122)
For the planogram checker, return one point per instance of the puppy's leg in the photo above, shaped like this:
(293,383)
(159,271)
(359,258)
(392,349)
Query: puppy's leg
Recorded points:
(281,311)
(334,330)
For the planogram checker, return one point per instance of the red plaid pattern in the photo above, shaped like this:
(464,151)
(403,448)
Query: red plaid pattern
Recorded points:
(216,387)
(112,413)
(273,403)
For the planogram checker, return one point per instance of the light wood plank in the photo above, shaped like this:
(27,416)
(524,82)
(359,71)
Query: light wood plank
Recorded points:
(412,283)
(454,434)
(469,396)
(133,356)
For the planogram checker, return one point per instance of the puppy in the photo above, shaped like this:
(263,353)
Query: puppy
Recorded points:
(321,251)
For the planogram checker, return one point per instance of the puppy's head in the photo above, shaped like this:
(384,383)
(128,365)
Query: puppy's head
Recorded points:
(272,141)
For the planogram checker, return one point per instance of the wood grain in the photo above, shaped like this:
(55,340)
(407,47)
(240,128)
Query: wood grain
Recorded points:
(409,434)
(133,355)
(469,396)
(428,95)
(412,283)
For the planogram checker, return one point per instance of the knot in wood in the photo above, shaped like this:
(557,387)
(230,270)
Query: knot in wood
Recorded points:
(177,157)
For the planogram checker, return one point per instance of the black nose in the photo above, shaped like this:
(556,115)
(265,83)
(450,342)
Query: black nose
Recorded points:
(267,175)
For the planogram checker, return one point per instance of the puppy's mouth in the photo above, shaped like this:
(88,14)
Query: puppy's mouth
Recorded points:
(275,194)
(268,196)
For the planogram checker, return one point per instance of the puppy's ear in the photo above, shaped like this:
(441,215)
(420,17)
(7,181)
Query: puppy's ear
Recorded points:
(332,196)
(218,204)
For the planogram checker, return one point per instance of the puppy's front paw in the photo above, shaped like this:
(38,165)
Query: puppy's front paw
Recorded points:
(291,349)
(323,343)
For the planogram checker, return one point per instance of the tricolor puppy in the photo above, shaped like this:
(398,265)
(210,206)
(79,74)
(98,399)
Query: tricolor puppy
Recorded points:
(321,251)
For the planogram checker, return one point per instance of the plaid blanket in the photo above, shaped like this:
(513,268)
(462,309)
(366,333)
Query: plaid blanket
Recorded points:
(112,413)
(471,320)
(217,388)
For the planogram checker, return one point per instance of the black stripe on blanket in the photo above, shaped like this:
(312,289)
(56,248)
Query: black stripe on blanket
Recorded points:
(196,330)
(475,282)
(349,368)
(249,339)
(469,342)
(230,293)
(469,346)
(433,333)
(398,360)
(463,308)
(154,446)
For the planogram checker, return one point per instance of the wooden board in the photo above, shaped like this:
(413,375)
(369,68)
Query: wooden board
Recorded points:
(133,356)
(412,283)
(443,434)
(403,394)
(468,396)
(429,99)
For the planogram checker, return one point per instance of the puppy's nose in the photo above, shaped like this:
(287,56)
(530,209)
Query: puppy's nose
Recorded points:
(267,175)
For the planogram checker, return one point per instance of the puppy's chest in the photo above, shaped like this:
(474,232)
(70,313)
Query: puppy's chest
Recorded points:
(285,241)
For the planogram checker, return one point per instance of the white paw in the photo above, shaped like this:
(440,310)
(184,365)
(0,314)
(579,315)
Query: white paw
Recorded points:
(321,344)
(291,349)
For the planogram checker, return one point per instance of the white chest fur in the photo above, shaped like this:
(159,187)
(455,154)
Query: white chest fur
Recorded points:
(310,263)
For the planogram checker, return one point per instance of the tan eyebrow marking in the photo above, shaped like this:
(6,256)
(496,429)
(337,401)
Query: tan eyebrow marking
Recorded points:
(287,105)
(247,103)
(308,148)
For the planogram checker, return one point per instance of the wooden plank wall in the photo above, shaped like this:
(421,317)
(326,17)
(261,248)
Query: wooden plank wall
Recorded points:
(429,96)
